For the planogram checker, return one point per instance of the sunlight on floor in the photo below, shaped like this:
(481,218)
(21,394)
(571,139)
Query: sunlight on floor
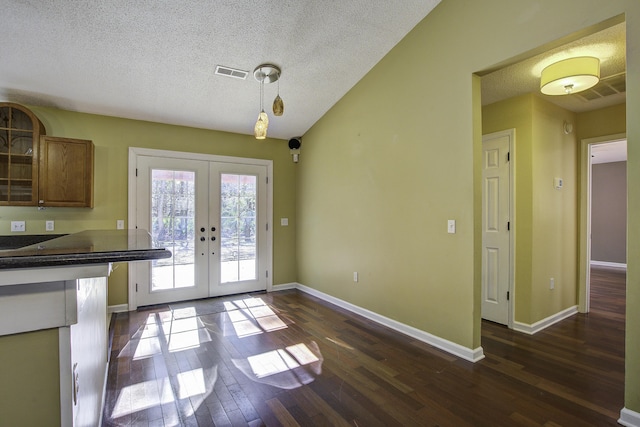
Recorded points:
(252,316)
(143,395)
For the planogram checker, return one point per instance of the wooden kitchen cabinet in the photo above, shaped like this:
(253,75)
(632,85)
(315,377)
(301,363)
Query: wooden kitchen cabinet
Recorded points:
(20,131)
(65,172)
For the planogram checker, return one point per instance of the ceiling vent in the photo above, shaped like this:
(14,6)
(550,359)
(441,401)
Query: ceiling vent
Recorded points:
(607,86)
(231,72)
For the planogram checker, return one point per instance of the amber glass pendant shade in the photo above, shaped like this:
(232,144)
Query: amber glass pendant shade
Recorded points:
(278,106)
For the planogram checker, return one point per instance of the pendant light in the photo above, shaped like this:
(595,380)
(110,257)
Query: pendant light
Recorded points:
(265,73)
(569,76)
(278,104)
(260,129)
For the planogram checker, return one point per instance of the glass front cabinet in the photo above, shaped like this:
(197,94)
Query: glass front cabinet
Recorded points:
(20,132)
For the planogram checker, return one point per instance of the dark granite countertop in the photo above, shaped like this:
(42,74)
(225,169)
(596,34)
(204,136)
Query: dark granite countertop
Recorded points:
(86,247)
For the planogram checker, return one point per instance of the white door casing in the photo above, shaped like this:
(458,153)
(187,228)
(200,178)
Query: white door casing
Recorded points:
(584,276)
(497,267)
(252,257)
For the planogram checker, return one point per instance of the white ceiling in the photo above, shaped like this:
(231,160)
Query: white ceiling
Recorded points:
(608,45)
(155,61)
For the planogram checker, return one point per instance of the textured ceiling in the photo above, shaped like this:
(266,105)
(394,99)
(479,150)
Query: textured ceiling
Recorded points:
(524,77)
(155,60)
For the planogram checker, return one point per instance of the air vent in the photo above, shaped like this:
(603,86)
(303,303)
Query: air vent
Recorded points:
(606,87)
(231,72)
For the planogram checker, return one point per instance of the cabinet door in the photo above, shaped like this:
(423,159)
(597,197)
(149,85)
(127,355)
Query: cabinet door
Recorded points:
(19,128)
(66,172)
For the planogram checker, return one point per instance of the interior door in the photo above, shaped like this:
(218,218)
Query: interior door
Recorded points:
(495,227)
(212,216)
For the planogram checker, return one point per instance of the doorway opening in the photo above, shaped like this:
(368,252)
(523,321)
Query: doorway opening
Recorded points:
(603,209)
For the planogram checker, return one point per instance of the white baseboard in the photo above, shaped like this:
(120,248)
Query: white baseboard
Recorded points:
(545,323)
(120,308)
(618,265)
(472,355)
(284,286)
(629,418)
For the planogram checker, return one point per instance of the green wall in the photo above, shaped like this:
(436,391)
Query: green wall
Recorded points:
(546,220)
(555,212)
(398,155)
(29,390)
(112,138)
(517,113)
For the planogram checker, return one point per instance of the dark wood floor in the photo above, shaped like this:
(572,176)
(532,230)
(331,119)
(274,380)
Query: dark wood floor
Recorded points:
(290,359)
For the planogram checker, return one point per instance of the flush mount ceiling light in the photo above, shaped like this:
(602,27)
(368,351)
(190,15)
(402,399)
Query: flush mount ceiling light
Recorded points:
(266,73)
(569,76)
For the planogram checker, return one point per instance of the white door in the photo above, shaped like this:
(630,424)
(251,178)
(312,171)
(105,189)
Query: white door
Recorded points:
(212,216)
(496,190)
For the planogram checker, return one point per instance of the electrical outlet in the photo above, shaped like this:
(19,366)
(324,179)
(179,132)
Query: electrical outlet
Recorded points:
(120,224)
(18,226)
(49,226)
(355,276)
(451,226)
(552,283)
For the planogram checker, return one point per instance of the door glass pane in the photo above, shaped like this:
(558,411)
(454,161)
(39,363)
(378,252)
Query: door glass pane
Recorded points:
(238,200)
(173,227)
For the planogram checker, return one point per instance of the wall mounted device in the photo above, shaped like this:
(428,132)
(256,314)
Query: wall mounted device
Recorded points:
(294,148)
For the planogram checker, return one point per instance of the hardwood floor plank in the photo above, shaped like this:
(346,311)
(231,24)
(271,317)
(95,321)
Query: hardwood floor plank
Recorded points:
(281,413)
(297,360)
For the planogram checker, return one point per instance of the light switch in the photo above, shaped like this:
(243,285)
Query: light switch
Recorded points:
(557,183)
(284,222)
(451,226)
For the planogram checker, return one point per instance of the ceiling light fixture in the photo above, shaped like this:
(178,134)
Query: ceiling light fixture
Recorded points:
(265,73)
(569,76)
(278,104)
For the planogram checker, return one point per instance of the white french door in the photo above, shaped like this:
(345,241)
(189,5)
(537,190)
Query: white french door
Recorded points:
(212,216)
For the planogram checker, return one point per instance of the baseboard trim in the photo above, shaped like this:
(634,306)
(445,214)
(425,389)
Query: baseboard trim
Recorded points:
(284,286)
(471,355)
(120,308)
(545,323)
(618,265)
(629,418)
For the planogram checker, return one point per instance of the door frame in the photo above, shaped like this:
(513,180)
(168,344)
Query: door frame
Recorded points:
(584,251)
(511,133)
(134,152)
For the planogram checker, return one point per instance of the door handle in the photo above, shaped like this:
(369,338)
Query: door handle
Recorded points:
(202,239)
(213,238)
(212,229)
(202,229)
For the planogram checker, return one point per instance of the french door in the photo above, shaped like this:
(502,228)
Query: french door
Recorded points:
(212,216)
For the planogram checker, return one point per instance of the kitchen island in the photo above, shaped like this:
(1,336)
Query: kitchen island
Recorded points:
(58,288)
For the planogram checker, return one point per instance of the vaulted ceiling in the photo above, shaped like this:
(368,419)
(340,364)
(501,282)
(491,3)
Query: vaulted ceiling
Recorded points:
(156,61)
